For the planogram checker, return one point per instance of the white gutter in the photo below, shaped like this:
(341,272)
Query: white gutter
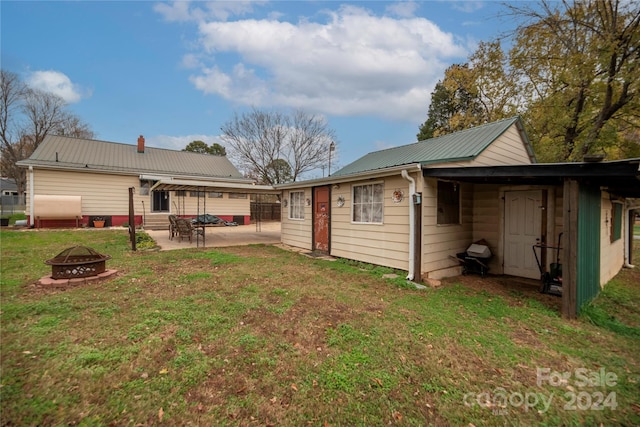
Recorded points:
(628,244)
(412,225)
(31,193)
(339,179)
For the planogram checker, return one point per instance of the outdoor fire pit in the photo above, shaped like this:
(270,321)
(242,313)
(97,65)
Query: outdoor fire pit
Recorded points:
(78,261)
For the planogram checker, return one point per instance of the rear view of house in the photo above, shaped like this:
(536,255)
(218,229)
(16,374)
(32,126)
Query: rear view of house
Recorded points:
(71,181)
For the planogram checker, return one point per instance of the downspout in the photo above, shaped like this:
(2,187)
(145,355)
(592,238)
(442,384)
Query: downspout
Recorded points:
(412,224)
(31,209)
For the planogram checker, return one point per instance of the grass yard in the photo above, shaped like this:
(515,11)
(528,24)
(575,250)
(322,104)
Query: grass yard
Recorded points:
(262,336)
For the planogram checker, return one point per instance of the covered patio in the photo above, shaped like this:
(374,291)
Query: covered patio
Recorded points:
(222,236)
(266,233)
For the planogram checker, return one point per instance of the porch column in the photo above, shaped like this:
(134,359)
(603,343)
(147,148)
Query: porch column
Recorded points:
(570,248)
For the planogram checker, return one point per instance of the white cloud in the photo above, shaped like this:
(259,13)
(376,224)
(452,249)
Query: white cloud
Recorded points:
(191,61)
(182,11)
(353,63)
(467,6)
(57,83)
(404,9)
(177,11)
(179,142)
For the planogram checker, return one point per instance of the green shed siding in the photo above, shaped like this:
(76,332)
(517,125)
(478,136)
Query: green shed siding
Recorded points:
(588,250)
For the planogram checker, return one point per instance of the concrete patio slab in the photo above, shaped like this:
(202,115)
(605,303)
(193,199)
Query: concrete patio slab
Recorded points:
(267,233)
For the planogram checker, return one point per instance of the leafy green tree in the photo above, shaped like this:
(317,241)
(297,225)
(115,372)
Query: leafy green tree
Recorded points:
(571,74)
(197,147)
(455,104)
(580,63)
(202,148)
(278,172)
(441,109)
(217,149)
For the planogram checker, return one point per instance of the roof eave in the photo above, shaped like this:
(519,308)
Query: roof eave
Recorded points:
(141,173)
(444,161)
(194,185)
(351,177)
(525,138)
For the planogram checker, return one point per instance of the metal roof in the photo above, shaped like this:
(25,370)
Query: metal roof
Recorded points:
(191,185)
(8,184)
(463,145)
(62,152)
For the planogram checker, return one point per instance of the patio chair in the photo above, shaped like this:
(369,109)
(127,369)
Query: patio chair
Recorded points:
(173,227)
(184,228)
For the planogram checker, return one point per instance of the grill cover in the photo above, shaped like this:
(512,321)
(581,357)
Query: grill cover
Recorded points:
(479,251)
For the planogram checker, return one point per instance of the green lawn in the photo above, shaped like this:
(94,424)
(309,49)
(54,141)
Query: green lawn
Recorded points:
(258,335)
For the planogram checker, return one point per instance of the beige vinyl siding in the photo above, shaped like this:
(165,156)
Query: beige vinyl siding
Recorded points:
(440,242)
(104,194)
(384,244)
(611,253)
(508,149)
(297,232)
(101,194)
(487,221)
(225,206)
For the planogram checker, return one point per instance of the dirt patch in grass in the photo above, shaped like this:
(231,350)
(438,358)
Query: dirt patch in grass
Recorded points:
(304,325)
(515,289)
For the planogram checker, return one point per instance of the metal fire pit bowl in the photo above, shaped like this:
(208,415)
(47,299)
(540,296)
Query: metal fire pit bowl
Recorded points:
(78,261)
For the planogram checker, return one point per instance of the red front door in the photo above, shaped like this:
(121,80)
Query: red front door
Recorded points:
(321,207)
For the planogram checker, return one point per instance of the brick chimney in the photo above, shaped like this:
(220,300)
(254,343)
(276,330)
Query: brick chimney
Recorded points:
(141,144)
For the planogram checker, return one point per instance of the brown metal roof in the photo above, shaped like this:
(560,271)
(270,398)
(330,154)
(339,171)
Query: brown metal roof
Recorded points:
(62,152)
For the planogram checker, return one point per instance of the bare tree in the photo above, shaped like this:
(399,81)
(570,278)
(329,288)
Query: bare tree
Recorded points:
(27,116)
(11,95)
(262,140)
(71,125)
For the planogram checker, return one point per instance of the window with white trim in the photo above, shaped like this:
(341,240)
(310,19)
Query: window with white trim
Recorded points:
(448,203)
(368,203)
(296,205)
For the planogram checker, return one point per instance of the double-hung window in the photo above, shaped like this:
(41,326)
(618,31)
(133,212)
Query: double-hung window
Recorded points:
(296,205)
(368,203)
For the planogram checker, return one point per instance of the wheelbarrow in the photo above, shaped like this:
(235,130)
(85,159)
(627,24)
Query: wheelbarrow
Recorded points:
(550,281)
(475,260)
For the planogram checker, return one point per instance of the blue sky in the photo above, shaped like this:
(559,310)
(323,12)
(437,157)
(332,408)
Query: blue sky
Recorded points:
(176,71)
